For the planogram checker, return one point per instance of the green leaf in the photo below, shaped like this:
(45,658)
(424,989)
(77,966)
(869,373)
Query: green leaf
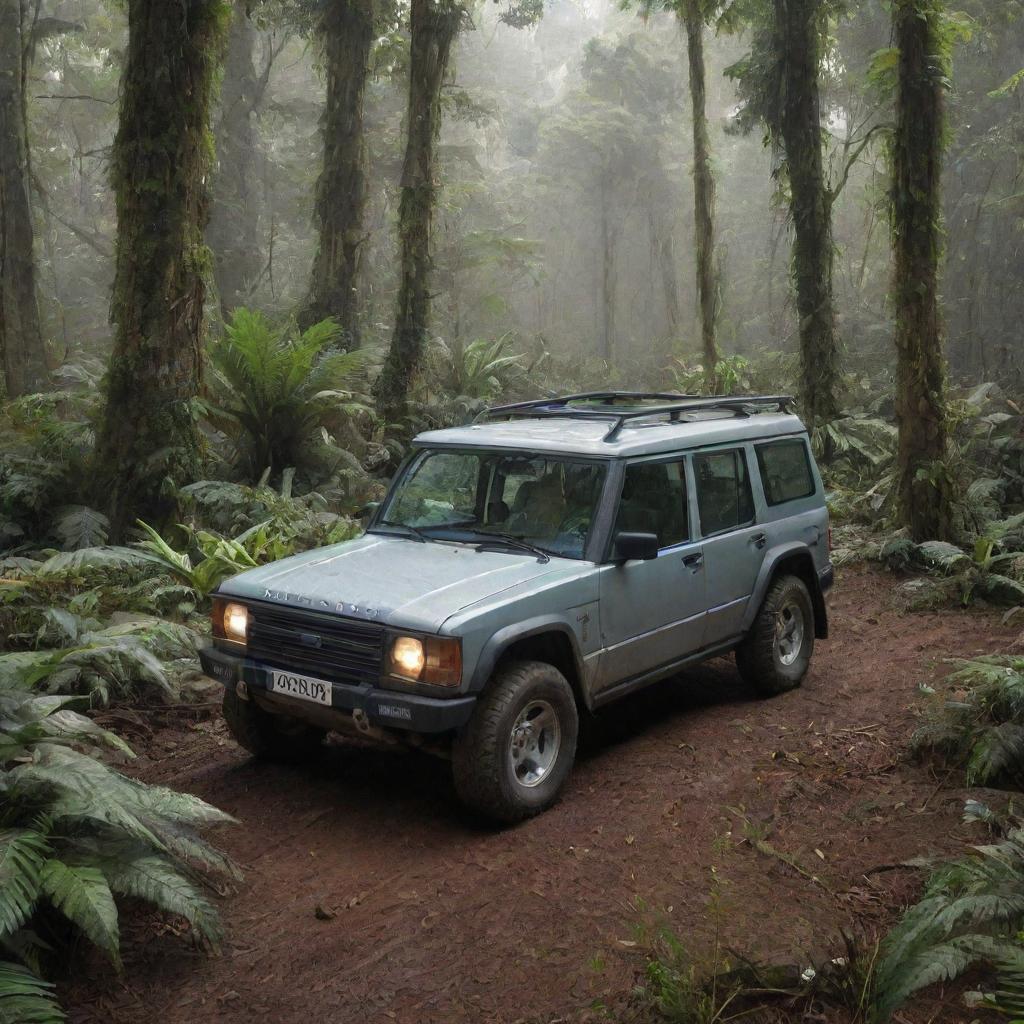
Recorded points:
(25,998)
(22,854)
(83,896)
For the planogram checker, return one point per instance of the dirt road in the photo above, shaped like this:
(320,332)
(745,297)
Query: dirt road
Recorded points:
(433,917)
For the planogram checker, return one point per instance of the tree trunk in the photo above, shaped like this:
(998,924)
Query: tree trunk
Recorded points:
(607,278)
(22,354)
(346,33)
(434,26)
(797,43)
(233,233)
(923,488)
(703,192)
(148,443)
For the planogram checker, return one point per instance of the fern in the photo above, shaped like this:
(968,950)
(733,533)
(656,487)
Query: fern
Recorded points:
(83,896)
(26,998)
(971,913)
(22,856)
(79,526)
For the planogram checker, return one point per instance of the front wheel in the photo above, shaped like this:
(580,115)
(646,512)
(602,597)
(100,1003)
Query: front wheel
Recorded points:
(513,757)
(776,653)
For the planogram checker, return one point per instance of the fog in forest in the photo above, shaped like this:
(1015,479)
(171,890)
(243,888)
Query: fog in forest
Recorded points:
(565,221)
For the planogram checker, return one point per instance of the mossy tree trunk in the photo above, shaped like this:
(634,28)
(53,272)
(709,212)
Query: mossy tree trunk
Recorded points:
(233,232)
(22,354)
(923,488)
(434,27)
(798,32)
(148,442)
(703,190)
(346,33)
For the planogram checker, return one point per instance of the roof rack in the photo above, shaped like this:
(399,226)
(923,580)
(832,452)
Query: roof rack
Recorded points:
(603,403)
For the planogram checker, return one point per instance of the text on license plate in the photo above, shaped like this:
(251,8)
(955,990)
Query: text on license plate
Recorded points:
(303,687)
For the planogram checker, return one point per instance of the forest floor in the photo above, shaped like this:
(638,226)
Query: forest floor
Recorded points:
(427,916)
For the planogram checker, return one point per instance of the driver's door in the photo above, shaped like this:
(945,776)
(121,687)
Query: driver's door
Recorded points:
(652,612)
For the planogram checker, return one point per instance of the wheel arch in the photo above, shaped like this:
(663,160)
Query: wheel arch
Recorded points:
(549,640)
(789,560)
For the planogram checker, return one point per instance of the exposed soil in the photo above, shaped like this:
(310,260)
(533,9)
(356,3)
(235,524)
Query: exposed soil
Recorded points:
(434,917)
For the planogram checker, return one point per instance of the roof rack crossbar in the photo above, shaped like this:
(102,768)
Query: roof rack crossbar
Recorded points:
(674,407)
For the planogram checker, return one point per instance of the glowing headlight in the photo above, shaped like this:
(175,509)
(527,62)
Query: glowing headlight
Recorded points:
(432,659)
(230,621)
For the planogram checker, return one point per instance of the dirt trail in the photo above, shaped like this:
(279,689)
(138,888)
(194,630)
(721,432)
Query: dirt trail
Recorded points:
(436,918)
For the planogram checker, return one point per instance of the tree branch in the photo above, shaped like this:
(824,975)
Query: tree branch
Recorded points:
(854,156)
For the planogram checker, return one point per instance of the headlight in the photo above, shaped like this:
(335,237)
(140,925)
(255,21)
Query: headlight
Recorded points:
(230,621)
(430,659)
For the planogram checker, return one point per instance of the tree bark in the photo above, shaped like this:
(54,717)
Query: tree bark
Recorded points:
(22,353)
(346,33)
(703,192)
(148,443)
(233,232)
(434,26)
(923,487)
(797,44)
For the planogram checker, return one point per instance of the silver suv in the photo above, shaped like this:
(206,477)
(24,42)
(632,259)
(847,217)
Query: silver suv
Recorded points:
(528,569)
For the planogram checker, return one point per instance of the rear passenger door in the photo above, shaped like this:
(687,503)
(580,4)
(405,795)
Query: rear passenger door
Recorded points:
(733,542)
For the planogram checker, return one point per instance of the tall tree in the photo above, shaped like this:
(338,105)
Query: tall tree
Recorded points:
(233,231)
(691,14)
(22,355)
(780,84)
(148,441)
(923,487)
(434,26)
(346,32)
(798,33)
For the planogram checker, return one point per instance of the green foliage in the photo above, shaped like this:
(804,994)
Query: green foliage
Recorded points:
(976,719)
(278,392)
(75,835)
(971,914)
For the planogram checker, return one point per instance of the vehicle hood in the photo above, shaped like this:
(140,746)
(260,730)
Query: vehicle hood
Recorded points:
(395,580)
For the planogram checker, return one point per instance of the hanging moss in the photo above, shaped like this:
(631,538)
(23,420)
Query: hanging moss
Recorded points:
(924,488)
(148,442)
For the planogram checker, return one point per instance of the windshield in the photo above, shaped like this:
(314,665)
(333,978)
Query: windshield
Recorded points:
(471,495)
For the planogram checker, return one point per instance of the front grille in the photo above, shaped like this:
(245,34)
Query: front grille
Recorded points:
(349,650)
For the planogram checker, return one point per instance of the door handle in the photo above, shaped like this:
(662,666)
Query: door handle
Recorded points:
(759,540)
(694,561)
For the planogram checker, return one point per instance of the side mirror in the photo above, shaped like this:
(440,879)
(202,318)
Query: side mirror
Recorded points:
(641,546)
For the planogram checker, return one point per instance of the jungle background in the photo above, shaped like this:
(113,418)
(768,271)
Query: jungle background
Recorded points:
(249,249)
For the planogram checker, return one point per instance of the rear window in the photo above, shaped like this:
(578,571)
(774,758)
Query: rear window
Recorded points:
(785,471)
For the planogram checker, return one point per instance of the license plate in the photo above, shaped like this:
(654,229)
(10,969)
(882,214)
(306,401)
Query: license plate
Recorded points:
(304,687)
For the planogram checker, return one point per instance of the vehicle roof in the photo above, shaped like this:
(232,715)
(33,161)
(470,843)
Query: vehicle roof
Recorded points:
(568,436)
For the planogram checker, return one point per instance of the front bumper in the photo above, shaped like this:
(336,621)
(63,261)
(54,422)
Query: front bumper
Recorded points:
(384,708)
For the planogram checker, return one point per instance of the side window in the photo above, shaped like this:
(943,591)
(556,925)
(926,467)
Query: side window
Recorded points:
(654,501)
(785,471)
(723,491)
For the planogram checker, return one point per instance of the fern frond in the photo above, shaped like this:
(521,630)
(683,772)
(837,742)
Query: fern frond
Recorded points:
(25,998)
(22,855)
(83,896)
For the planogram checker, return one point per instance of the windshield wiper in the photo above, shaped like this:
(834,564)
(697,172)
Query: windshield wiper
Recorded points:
(507,539)
(412,531)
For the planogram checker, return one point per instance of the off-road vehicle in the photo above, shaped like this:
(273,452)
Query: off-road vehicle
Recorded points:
(528,569)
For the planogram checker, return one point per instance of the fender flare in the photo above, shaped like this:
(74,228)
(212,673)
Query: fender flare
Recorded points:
(767,573)
(501,640)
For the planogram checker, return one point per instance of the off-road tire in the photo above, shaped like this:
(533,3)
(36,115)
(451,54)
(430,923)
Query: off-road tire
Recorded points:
(481,764)
(758,656)
(270,737)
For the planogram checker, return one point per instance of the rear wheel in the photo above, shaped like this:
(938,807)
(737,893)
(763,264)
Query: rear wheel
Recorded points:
(777,651)
(269,737)
(513,757)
